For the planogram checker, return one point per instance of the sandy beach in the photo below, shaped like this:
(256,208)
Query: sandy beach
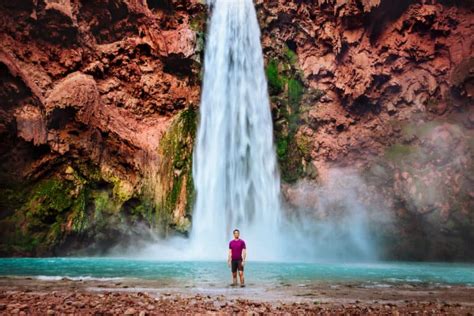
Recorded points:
(32,296)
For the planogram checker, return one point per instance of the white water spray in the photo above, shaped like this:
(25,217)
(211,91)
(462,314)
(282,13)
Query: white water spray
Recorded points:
(234,164)
(235,169)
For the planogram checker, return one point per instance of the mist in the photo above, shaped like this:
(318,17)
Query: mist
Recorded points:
(331,223)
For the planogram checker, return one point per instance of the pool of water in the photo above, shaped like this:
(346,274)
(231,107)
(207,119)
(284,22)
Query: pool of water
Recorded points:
(204,274)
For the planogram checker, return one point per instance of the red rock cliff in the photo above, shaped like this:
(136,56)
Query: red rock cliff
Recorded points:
(99,106)
(385,88)
(90,91)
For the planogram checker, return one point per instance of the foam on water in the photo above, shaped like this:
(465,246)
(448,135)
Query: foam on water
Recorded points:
(76,278)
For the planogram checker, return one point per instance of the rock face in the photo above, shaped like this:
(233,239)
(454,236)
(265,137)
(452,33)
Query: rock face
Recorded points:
(385,88)
(99,104)
(89,90)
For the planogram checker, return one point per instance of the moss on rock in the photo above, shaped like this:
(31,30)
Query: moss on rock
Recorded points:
(275,81)
(76,201)
(175,202)
(295,92)
(286,90)
(50,197)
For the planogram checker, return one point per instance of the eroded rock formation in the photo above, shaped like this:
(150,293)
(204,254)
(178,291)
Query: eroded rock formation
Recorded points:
(89,90)
(385,88)
(99,102)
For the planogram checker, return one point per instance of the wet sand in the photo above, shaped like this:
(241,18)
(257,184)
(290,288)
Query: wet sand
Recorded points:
(31,296)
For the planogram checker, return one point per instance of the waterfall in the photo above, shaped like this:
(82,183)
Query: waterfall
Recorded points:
(234,165)
(235,169)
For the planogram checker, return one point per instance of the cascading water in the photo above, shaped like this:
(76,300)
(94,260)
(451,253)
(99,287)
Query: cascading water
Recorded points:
(235,169)
(234,164)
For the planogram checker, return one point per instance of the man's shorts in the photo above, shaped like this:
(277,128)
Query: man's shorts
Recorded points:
(237,265)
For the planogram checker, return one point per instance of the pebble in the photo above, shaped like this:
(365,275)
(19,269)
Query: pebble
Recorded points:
(150,307)
(142,303)
(130,311)
(79,304)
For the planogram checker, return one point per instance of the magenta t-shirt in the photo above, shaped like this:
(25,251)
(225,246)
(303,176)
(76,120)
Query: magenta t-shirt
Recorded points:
(237,245)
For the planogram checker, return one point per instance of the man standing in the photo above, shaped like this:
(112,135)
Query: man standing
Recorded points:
(237,255)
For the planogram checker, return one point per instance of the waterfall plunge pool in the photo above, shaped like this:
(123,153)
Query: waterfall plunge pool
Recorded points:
(216,274)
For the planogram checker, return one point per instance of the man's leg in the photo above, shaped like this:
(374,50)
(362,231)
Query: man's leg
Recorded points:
(234,278)
(234,272)
(241,274)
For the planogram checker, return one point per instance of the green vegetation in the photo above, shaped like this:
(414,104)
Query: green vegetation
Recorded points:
(304,145)
(290,56)
(275,81)
(197,22)
(295,92)
(14,238)
(82,199)
(399,151)
(287,90)
(122,190)
(143,210)
(36,224)
(102,203)
(282,147)
(80,218)
(49,198)
(75,201)
(176,171)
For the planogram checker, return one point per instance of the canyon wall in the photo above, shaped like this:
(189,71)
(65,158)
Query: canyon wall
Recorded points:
(97,120)
(385,90)
(100,102)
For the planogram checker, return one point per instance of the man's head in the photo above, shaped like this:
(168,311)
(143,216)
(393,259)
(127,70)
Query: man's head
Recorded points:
(236,233)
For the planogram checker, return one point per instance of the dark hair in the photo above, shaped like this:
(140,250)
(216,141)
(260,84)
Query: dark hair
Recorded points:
(236,230)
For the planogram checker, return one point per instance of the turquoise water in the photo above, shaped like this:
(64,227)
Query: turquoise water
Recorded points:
(217,273)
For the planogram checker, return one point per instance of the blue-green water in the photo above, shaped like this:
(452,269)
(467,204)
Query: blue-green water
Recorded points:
(217,273)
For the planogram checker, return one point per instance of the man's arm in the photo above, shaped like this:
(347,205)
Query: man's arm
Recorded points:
(229,257)
(244,255)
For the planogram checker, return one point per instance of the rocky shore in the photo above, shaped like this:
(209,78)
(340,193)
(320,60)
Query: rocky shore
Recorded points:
(27,296)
